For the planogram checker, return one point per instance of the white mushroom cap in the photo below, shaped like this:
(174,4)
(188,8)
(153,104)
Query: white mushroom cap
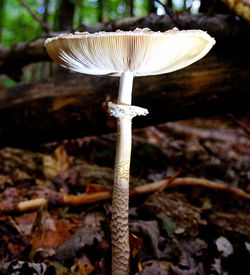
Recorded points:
(141,51)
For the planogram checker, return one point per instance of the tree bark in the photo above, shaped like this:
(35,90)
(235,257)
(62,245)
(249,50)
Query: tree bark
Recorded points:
(100,11)
(66,15)
(2,18)
(131,8)
(45,15)
(227,31)
(169,4)
(76,105)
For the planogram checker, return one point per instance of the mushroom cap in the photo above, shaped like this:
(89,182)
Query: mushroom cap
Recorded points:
(141,51)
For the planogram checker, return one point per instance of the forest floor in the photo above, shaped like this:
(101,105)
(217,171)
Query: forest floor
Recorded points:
(188,228)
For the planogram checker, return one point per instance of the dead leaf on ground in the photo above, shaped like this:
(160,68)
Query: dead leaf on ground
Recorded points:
(149,232)
(85,236)
(175,270)
(230,221)
(52,238)
(47,222)
(83,266)
(177,215)
(224,246)
(94,218)
(20,175)
(93,188)
(136,244)
(26,222)
(10,195)
(53,165)
(5,180)
(21,267)
(151,268)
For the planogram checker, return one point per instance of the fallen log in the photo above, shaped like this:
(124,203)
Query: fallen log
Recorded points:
(75,105)
(222,135)
(226,29)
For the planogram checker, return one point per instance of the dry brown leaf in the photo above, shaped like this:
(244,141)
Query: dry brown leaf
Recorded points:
(93,188)
(23,267)
(48,223)
(248,188)
(86,236)
(26,222)
(63,230)
(5,179)
(152,267)
(140,268)
(83,266)
(136,244)
(20,175)
(53,165)
(94,219)
(149,231)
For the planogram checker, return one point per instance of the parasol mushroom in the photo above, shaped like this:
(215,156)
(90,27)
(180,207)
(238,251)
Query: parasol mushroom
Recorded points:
(127,54)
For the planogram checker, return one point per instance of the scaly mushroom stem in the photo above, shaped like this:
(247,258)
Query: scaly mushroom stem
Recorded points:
(120,199)
(124,113)
(120,196)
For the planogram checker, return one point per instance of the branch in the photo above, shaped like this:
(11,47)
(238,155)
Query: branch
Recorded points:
(58,199)
(171,16)
(12,60)
(240,7)
(39,20)
(241,124)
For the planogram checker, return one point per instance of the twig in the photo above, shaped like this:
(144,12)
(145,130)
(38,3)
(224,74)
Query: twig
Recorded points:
(199,182)
(170,180)
(71,200)
(58,199)
(31,204)
(39,20)
(192,182)
(242,125)
(213,153)
(169,13)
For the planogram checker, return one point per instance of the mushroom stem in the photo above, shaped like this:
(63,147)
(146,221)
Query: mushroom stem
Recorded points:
(125,88)
(124,113)
(120,197)
(112,54)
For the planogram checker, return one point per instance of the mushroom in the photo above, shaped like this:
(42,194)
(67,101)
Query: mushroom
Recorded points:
(127,54)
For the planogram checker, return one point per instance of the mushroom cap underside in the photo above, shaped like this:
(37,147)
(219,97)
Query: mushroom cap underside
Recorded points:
(141,51)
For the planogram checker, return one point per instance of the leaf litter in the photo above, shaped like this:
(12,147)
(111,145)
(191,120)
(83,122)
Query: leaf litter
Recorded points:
(183,230)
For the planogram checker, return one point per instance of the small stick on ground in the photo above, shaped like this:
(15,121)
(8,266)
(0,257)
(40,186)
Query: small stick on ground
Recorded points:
(241,124)
(170,180)
(58,199)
